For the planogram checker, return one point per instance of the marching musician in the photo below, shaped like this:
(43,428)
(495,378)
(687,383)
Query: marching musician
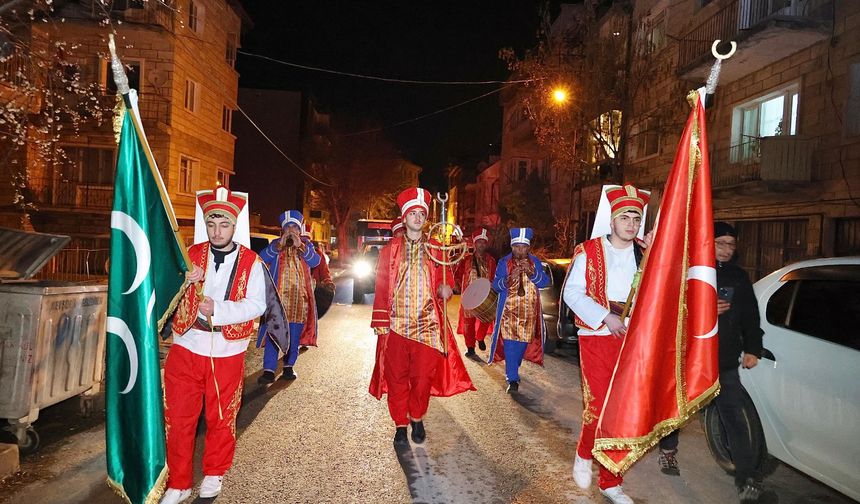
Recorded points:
(479,264)
(397,228)
(408,318)
(207,361)
(320,273)
(596,288)
(519,331)
(290,260)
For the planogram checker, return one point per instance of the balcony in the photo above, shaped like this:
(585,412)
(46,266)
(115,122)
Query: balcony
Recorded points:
(73,194)
(768,159)
(766,31)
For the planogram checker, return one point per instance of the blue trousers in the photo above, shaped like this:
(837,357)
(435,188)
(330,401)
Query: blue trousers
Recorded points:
(270,353)
(514,351)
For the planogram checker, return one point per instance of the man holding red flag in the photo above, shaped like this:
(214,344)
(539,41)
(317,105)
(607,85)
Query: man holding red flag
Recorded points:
(668,366)
(479,264)
(416,354)
(596,289)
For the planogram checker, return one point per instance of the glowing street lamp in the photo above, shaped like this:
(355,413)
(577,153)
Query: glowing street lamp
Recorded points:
(559,95)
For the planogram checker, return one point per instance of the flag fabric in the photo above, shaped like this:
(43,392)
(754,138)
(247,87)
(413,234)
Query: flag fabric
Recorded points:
(668,366)
(147,276)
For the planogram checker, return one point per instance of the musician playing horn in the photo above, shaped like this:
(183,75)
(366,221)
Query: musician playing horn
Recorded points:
(479,264)
(411,364)
(520,332)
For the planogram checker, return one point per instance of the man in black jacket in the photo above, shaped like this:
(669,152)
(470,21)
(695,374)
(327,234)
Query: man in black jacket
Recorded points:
(739,333)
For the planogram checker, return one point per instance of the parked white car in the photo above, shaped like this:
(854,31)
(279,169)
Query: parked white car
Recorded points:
(807,393)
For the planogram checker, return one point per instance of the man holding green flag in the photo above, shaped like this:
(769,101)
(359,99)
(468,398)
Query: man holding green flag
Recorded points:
(143,289)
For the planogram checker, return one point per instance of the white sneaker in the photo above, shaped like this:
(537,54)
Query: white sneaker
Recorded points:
(175,496)
(211,486)
(582,472)
(616,495)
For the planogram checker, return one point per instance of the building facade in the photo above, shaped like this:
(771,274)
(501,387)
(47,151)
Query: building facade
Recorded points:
(180,56)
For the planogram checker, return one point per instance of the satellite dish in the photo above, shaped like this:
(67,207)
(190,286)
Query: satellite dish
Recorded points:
(157,78)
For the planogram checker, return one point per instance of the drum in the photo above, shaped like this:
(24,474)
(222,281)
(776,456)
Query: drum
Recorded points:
(479,300)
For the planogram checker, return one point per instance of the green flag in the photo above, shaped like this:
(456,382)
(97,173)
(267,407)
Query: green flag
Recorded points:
(147,275)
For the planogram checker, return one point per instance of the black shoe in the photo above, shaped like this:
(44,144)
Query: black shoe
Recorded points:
(513,386)
(481,345)
(303,348)
(750,491)
(400,439)
(266,378)
(288,373)
(418,434)
(470,352)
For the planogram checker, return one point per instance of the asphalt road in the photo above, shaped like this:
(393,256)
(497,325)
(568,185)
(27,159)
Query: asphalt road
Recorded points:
(323,438)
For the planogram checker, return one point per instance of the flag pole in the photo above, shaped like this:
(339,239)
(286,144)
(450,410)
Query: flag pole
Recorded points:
(122,86)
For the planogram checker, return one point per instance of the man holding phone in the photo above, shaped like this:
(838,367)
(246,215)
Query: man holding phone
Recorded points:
(739,333)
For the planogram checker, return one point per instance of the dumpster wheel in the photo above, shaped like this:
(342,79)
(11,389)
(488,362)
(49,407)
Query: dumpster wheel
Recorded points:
(30,442)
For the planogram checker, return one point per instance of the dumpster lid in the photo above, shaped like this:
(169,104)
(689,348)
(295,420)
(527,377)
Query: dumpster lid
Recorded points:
(24,253)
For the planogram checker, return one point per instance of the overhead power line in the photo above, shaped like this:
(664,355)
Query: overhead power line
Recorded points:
(385,79)
(279,149)
(424,116)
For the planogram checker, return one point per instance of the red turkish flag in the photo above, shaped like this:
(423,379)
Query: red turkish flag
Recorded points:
(668,366)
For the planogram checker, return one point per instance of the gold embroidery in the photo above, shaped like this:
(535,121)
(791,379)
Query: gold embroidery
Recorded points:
(233,407)
(589,409)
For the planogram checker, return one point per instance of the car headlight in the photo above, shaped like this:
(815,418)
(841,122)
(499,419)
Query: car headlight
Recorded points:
(362,268)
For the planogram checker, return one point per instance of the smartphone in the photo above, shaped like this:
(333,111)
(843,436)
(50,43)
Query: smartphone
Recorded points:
(726,293)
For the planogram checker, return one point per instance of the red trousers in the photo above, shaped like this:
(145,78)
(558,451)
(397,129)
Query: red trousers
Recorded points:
(474,330)
(409,370)
(188,380)
(597,358)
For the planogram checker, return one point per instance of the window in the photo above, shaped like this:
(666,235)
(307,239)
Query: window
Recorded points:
(133,70)
(195,17)
(192,95)
(88,165)
(121,5)
(522,169)
(828,309)
(767,245)
(648,137)
(230,56)
(771,114)
(847,236)
(653,32)
(188,169)
(223,177)
(604,136)
(227,119)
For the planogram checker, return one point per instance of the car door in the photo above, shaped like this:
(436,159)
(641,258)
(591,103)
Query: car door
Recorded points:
(809,398)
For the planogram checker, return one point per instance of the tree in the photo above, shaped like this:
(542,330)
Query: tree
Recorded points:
(360,177)
(528,205)
(591,54)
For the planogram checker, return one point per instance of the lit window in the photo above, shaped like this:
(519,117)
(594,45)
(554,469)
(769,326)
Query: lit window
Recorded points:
(772,114)
(648,138)
(604,136)
(223,178)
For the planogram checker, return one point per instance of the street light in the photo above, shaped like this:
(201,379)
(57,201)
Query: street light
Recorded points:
(559,95)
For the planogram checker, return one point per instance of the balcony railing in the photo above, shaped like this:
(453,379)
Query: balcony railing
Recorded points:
(740,15)
(777,158)
(77,264)
(15,69)
(58,192)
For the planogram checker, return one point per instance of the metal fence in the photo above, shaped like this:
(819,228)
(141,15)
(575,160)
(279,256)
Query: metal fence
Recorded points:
(70,193)
(77,264)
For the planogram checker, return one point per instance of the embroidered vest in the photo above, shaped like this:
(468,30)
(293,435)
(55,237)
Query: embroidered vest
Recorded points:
(595,274)
(186,312)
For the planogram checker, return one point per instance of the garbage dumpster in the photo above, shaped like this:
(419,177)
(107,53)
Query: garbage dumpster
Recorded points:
(52,334)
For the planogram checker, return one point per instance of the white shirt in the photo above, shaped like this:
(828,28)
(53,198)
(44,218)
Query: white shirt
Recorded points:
(226,312)
(620,269)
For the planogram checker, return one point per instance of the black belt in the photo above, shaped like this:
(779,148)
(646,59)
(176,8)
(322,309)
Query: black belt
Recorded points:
(201,325)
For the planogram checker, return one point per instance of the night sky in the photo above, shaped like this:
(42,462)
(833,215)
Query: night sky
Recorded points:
(438,40)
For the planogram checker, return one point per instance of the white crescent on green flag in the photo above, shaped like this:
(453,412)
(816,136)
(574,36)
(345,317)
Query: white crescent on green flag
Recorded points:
(147,276)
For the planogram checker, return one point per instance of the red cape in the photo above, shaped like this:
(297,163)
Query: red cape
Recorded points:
(451,377)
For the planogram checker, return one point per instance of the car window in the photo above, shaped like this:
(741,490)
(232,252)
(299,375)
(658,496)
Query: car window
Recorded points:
(826,309)
(258,244)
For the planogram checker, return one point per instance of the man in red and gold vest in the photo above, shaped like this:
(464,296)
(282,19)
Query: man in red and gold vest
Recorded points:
(397,229)
(212,326)
(479,264)
(596,288)
(413,336)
